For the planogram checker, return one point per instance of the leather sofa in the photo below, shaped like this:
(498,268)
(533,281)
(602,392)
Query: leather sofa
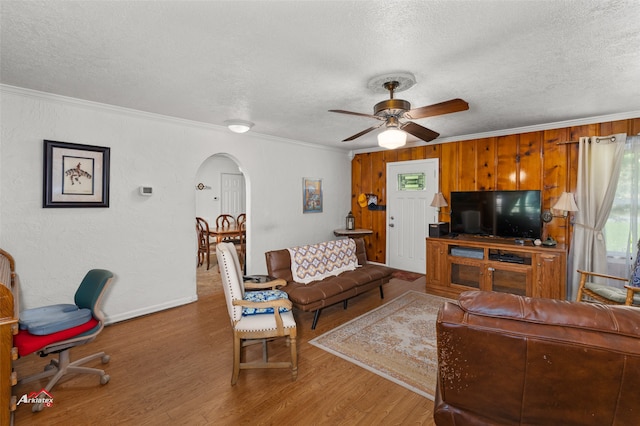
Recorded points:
(314,296)
(512,360)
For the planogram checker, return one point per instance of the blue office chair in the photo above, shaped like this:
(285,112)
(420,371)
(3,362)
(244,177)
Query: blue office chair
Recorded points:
(58,328)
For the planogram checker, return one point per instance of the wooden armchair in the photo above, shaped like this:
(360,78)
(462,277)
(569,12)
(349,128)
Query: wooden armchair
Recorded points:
(605,293)
(629,295)
(256,316)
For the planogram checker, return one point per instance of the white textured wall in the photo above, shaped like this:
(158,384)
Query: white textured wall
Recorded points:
(148,242)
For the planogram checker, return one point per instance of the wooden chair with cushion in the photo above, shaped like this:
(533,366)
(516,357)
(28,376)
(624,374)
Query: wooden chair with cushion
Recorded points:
(256,316)
(205,243)
(601,292)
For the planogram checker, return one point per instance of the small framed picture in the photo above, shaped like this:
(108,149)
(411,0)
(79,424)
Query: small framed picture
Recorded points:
(311,195)
(75,175)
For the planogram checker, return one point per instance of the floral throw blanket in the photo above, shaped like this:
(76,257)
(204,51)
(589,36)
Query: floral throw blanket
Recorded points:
(318,261)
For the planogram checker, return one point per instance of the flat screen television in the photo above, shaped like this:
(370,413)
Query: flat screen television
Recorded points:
(507,214)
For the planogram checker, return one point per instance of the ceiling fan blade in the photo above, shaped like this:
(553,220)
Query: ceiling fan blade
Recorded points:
(364,132)
(419,131)
(447,107)
(341,111)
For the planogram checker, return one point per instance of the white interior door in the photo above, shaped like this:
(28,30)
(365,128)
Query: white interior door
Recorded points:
(232,194)
(410,189)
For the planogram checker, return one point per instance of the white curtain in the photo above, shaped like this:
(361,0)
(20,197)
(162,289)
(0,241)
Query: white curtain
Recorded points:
(622,248)
(599,160)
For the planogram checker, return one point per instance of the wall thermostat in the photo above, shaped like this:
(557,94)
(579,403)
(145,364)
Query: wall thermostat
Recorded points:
(146,190)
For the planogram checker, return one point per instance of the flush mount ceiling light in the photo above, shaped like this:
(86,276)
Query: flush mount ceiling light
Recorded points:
(238,126)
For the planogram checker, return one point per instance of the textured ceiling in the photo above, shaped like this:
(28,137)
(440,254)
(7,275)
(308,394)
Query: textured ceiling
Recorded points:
(283,64)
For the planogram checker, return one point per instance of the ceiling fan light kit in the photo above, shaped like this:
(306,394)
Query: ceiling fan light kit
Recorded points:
(238,126)
(396,113)
(392,138)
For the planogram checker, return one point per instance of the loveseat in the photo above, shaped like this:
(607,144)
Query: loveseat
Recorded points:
(327,291)
(512,360)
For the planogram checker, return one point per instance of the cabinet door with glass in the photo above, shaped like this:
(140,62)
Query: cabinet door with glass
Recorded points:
(508,278)
(466,272)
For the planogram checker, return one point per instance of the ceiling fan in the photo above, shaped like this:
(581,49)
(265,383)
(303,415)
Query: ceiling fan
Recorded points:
(394,112)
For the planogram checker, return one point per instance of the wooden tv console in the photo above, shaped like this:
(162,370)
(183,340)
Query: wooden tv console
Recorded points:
(461,263)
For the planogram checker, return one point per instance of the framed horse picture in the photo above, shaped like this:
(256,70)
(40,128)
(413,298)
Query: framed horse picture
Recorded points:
(75,175)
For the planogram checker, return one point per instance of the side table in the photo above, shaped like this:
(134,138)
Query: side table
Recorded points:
(353,233)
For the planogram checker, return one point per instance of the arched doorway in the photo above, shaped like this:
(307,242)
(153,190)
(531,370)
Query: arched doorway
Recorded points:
(221,188)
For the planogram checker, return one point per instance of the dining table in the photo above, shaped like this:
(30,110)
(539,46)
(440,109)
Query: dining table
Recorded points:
(233,231)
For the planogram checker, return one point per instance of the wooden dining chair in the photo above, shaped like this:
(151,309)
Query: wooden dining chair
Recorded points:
(206,245)
(241,219)
(225,221)
(240,242)
(238,239)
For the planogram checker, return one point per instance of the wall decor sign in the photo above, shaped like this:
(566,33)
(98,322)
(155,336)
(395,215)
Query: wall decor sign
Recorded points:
(75,175)
(311,195)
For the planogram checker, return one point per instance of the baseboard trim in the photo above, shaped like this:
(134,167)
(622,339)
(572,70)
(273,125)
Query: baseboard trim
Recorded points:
(112,319)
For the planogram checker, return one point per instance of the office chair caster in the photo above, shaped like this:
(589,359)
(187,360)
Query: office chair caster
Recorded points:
(106,359)
(104,379)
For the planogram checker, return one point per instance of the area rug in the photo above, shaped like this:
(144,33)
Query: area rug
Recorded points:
(406,275)
(396,341)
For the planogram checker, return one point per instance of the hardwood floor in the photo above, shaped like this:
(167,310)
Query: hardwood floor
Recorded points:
(174,367)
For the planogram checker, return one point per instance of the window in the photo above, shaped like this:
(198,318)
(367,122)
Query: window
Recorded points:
(411,182)
(621,229)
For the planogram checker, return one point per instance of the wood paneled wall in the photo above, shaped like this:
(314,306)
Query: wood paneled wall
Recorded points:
(536,160)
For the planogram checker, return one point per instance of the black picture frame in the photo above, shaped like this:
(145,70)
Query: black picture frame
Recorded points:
(75,175)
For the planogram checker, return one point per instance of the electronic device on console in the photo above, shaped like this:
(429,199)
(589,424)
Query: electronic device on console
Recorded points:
(507,257)
(439,229)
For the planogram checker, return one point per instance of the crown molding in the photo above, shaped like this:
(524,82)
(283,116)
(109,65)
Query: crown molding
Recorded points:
(518,130)
(130,112)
